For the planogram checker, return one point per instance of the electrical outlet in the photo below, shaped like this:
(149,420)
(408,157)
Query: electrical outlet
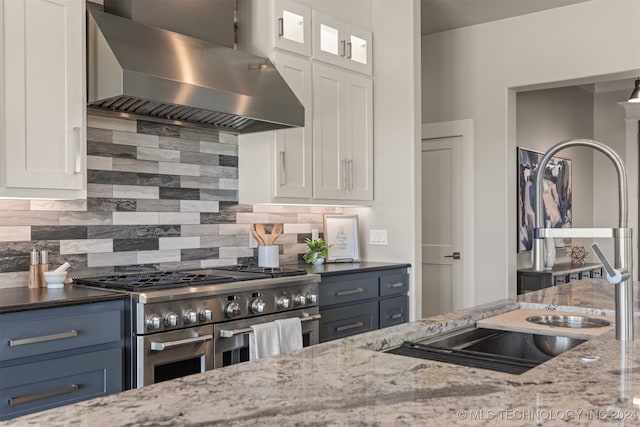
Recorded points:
(253,243)
(315,233)
(377,237)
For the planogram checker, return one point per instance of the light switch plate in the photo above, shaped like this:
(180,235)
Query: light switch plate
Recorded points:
(377,237)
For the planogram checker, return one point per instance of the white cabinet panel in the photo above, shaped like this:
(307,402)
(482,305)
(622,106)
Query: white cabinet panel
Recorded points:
(359,116)
(329,163)
(43,98)
(293,146)
(284,156)
(342,134)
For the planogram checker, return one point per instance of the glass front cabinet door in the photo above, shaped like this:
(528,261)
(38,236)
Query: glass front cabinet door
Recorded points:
(341,44)
(293,27)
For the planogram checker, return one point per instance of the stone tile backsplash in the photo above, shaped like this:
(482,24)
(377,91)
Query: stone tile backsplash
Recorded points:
(159,197)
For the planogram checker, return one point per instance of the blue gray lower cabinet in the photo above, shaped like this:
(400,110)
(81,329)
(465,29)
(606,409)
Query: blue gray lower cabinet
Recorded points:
(353,303)
(56,356)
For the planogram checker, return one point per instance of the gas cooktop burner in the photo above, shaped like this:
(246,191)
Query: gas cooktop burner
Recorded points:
(154,280)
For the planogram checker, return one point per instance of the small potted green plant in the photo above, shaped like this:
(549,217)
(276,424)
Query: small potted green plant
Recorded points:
(318,251)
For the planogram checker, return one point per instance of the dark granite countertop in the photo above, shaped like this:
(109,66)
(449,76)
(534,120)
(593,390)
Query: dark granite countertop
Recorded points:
(22,298)
(18,299)
(333,269)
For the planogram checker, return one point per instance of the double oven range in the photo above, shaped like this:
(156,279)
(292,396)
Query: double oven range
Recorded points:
(185,322)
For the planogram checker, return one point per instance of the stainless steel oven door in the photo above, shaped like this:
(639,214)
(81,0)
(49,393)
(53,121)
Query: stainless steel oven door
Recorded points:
(231,339)
(168,355)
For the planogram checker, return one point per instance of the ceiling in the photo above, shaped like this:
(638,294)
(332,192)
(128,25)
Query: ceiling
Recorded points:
(441,15)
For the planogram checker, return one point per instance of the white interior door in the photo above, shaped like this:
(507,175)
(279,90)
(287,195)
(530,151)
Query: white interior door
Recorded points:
(442,259)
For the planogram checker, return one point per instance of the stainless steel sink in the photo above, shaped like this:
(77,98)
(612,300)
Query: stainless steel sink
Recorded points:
(505,351)
(569,321)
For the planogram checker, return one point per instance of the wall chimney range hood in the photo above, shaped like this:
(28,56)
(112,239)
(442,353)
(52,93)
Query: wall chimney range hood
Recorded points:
(142,70)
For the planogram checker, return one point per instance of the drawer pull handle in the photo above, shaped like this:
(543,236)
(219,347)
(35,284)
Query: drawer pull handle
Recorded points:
(351,326)
(350,292)
(43,395)
(397,316)
(159,346)
(225,333)
(72,333)
(396,285)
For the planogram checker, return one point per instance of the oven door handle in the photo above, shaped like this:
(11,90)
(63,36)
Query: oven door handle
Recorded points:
(225,333)
(159,346)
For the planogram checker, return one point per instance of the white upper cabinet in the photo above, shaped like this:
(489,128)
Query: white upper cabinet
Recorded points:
(330,160)
(342,44)
(292,27)
(342,135)
(42,98)
(275,166)
(293,147)
(265,26)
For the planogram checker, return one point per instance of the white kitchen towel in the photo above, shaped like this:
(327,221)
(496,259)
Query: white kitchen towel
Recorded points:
(264,340)
(290,334)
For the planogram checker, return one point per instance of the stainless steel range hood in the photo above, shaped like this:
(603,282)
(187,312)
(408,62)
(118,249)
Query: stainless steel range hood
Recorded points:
(140,69)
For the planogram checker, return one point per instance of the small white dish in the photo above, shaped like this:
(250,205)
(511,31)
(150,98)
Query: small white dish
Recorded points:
(55,279)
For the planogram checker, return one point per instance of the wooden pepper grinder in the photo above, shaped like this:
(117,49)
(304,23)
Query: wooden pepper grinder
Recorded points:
(34,260)
(42,267)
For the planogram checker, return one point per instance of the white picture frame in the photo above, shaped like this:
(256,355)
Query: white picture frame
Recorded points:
(341,235)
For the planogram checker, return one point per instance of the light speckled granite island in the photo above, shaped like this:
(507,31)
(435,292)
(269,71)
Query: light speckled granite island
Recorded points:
(346,382)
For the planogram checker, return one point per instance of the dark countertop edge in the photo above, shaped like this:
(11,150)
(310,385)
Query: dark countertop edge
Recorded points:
(22,299)
(340,268)
(563,268)
(53,298)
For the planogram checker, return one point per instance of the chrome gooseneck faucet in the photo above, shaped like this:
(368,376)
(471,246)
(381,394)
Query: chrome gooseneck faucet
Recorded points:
(623,261)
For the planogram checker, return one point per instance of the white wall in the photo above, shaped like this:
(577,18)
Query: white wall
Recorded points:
(546,117)
(397,112)
(467,74)
(609,128)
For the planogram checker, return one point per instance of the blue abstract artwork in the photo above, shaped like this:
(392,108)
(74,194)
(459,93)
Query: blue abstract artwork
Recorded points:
(556,196)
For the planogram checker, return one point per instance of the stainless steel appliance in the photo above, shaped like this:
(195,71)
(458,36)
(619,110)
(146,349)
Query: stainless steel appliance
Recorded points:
(156,59)
(187,322)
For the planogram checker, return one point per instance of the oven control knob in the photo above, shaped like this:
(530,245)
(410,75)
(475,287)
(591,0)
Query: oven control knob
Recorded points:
(206,315)
(233,309)
(300,299)
(153,321)
(312,298)
(283,302)
(257,306)
(171,319)
(190,317)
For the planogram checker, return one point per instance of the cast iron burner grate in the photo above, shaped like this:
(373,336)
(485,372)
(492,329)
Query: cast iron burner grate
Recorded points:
(267,271)
(154,280)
